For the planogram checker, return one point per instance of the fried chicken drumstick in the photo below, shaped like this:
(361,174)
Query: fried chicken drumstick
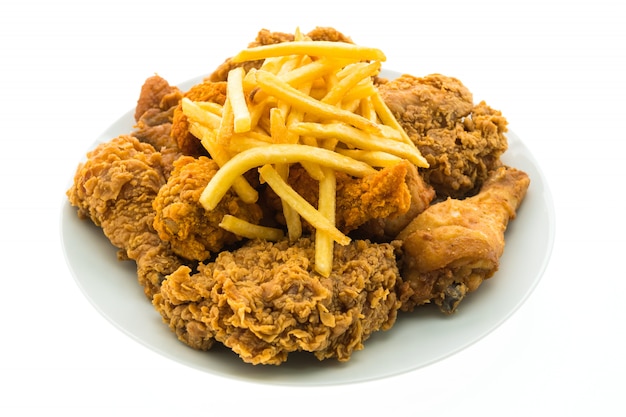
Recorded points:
(453,246)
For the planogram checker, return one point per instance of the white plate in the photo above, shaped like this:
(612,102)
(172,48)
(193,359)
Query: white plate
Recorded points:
(416,340)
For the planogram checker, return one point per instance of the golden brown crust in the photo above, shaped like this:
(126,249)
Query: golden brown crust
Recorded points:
(264,301)
(207,91)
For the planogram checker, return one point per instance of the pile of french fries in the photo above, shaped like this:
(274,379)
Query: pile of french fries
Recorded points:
(312,103)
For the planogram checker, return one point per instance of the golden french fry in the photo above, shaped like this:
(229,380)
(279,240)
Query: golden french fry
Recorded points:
(283,91)
(249,230)
(360,72)
(292,217)
(373,158)
(234,91)
(295,200)
(360,139)
(324,243)
(196,113)
(367,109)
(210,107)
(312,71)
(278,129)
(318,48)
(227,125)
(387,117)
(272,154)
(244,190)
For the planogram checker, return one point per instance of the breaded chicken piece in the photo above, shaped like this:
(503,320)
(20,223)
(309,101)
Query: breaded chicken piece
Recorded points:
(154,115)
(188,144)
(156,93)
(386,228)
(265,301)
(462,142)
(115,188)
(385,195)
(453,246)
(181,220)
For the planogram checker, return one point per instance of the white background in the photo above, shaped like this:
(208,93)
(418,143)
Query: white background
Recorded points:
(556,70)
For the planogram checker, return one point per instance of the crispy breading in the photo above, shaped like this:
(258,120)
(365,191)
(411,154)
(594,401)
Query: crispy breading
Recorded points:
(462,142)
(115,188)
(180,219)
(265,301)
(206,91)
(382,195)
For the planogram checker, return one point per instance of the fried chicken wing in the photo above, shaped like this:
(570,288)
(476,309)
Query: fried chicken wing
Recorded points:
(154,115)
(181,220)
(462,142)
(453,246)
(115,188)
(265,301)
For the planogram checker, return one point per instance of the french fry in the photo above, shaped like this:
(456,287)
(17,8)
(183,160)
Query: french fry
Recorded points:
(226,128)
(360,139)
(274,86)
(249,230)
(324,242)
(373,158)
(244,190)
(306,210)
(210,107)
(354,77)
(388,118)
(317,48)
(196,113)
(272,154)
(234,90)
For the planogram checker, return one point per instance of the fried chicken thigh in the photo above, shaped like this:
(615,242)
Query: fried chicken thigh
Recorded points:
(462,142)
(115,188)
(453,246)
(265,301)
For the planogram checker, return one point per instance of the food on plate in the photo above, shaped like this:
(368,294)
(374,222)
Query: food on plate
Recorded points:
(295,200)
(385,200)
(462,142)
(264,300)
(155,107)
(454,245)
(192,232)
(115,188)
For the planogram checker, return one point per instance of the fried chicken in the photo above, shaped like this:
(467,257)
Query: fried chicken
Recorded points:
(386,228)
(265,301)
(156,93)
(387,196)
(180,219)
(188,144)
(453,246)
(154,115)
(115,188)
(462,142)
